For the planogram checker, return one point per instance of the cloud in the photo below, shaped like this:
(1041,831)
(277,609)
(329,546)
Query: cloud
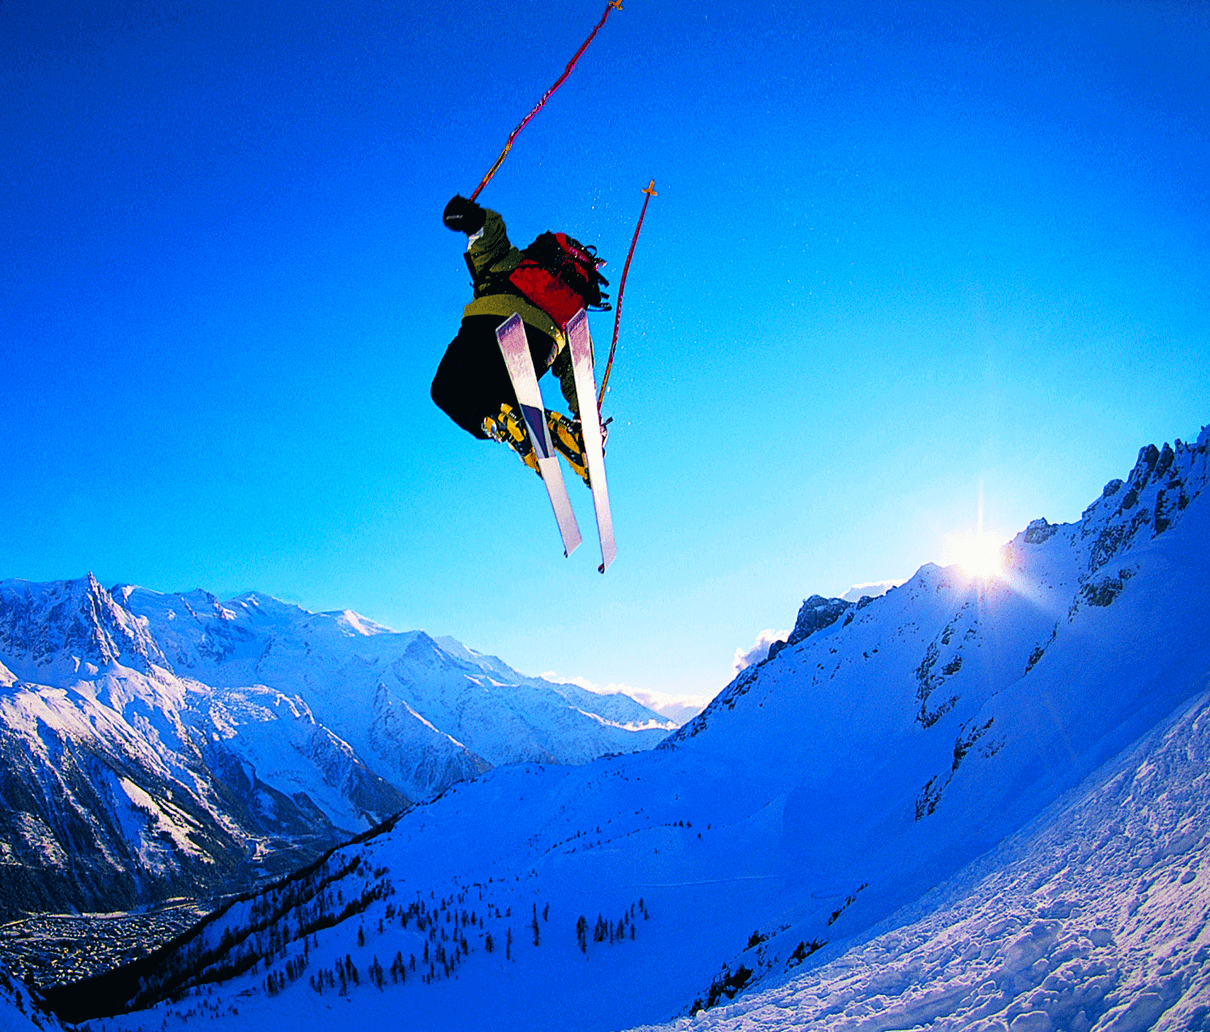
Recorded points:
(759,652)
(873,589)
(678,708)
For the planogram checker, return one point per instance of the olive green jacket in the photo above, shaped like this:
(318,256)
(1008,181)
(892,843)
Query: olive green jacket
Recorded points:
(491,257)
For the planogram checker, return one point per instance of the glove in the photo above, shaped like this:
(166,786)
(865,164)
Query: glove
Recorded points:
(463,216)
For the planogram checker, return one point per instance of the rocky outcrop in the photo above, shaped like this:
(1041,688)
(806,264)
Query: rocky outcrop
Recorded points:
(815,614)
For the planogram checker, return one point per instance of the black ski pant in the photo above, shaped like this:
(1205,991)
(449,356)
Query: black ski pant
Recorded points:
(472,380)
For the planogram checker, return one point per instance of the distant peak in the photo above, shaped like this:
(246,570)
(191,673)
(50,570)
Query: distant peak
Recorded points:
(359,624)
(257,601)
(73,618)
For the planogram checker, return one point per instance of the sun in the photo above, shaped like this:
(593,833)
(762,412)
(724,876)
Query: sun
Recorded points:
(980,554)
(980,557)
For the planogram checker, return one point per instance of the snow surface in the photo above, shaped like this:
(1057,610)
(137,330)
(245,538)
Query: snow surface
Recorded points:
(1097,915)
(1035,745)
(21,1010)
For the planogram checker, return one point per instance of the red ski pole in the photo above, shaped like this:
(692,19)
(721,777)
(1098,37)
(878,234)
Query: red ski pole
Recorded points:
(612,5)
(617,313)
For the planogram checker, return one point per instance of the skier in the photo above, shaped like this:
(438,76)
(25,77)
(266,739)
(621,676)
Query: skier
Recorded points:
(472,385)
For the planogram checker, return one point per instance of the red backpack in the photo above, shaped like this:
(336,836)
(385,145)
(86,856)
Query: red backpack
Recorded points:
(559,275)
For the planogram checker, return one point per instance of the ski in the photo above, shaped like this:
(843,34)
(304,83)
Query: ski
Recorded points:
(580,342)
(515,348)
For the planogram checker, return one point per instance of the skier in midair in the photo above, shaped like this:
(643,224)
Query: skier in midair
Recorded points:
(472,385)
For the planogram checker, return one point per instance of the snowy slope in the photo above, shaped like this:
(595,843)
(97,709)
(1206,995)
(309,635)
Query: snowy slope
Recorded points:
(885,748)
(20,1010)
(1095,915)
(156,745)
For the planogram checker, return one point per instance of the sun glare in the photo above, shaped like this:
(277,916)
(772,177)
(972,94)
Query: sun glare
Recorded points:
(979,553)
(980,557)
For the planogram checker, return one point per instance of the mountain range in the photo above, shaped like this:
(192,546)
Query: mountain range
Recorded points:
(974,802)
(155,745)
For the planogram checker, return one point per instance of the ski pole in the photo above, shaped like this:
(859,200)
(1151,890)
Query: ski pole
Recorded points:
(612,5)
(617,312)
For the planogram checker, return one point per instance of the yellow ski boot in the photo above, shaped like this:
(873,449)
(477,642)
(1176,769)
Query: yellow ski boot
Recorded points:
(569,442)
(508,427)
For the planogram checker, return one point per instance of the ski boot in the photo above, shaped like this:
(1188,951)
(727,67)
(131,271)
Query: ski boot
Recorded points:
(508,426)
(568,437)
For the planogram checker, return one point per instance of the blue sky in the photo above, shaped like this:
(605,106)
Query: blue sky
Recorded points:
(904,257)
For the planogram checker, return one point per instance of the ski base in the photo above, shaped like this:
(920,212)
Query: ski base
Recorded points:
(580,343)
(515,348)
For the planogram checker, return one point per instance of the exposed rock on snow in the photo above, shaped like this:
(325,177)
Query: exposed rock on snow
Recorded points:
(816,613)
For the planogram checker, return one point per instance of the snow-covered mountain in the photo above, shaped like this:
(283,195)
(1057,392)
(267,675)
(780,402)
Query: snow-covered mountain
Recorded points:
(1047,726)
(155,745)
